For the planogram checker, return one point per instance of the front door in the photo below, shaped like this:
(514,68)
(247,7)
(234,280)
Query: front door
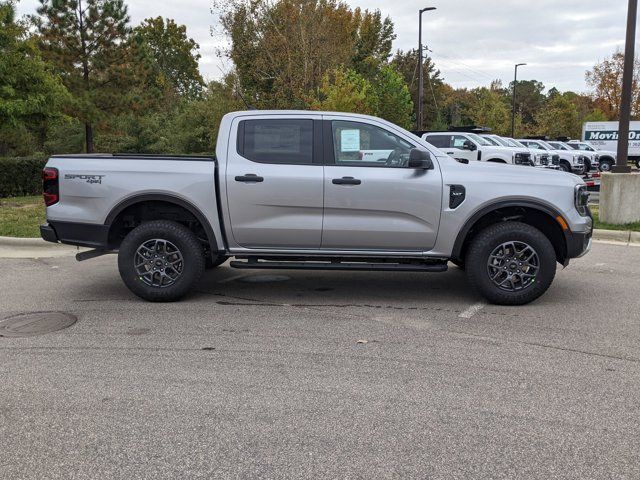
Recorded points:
(274,182)
(373,201)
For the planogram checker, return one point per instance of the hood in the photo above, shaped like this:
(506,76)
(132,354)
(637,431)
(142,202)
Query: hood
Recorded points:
(518,174)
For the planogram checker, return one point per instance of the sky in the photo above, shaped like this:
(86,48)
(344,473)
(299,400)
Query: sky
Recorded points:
(472,42)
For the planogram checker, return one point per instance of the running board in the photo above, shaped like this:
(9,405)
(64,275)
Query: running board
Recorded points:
(385,267)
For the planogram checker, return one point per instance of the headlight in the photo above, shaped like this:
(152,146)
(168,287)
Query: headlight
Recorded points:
(581,200)
(579,159)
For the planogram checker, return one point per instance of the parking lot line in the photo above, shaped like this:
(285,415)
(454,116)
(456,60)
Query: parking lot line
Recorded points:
(472,310)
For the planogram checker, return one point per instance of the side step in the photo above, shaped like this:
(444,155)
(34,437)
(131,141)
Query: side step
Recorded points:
(311,265)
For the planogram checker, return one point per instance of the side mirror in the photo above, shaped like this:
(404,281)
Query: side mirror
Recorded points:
(420,159)
(469,145)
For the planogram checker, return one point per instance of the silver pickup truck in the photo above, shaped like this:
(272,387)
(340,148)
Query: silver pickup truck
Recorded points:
(292,190)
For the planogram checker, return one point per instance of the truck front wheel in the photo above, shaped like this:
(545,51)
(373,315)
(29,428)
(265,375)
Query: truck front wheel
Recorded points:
(511,263)
(564,166)
(160,260)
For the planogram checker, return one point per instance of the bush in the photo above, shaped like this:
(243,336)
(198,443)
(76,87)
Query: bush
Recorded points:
(20,176)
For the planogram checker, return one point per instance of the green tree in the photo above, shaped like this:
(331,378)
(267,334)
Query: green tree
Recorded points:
(345,90)
(29,93)
(87,42)
(175,56)
(374,39)
(529,99)
(559,118)
(195,128)
(394,99)
(489,108)
(433,102)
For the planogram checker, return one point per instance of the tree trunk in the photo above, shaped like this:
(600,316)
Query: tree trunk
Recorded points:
(88,133)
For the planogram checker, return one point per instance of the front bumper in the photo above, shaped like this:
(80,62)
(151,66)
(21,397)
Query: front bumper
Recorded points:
(578,244)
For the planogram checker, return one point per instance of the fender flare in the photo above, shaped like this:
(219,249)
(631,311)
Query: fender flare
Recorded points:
(169,198)
(464,231)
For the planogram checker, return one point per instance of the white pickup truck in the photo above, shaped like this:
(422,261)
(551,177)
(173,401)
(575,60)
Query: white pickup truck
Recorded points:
(470,146)
(568,161)
(291,190)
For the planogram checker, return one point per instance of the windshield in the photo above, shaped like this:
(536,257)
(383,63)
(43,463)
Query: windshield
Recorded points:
(492,141)
(514,143)
(559,146)
(501,141)
(546,145)
(479,139)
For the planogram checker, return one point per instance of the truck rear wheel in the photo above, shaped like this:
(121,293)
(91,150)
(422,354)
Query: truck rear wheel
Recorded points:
(160,260)
(511,263)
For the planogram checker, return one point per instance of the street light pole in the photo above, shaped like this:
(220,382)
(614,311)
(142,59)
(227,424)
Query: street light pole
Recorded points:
(621,165)
(513,107)
(419,118)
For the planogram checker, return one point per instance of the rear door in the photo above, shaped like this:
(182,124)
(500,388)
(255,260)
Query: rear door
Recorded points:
(274,182)
(376,205)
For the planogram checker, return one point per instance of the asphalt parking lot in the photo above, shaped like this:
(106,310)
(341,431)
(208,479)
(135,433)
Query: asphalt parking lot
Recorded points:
(322,375)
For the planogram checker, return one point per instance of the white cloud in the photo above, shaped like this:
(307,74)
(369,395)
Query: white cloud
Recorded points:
(473,42)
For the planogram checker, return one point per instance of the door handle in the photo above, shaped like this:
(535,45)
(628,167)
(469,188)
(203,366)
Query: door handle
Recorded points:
(450,153)
(249,177)
(346,181)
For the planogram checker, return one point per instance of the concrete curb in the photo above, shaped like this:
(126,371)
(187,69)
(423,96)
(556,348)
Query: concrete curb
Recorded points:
(14,247)
(625,237)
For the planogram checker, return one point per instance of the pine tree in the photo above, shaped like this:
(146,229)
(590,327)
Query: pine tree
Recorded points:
(87,42)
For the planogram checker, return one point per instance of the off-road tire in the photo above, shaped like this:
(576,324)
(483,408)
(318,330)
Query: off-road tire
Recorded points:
(493,236)
(189,247)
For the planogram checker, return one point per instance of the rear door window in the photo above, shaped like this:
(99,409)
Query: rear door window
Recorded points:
(276,141)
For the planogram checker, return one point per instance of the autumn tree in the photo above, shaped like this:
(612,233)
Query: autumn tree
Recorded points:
(29,92)
(87,42)
(283,49)
(174,56)
(605,80)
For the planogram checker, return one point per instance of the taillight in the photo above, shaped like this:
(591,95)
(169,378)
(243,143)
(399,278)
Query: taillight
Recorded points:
(50,188)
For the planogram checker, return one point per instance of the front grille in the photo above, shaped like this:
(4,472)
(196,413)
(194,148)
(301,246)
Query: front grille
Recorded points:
(555,159)
(523,158)
(544,160)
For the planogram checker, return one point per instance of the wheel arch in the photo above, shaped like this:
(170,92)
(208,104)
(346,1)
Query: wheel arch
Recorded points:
(166,198)
(534,213)
(496,160)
